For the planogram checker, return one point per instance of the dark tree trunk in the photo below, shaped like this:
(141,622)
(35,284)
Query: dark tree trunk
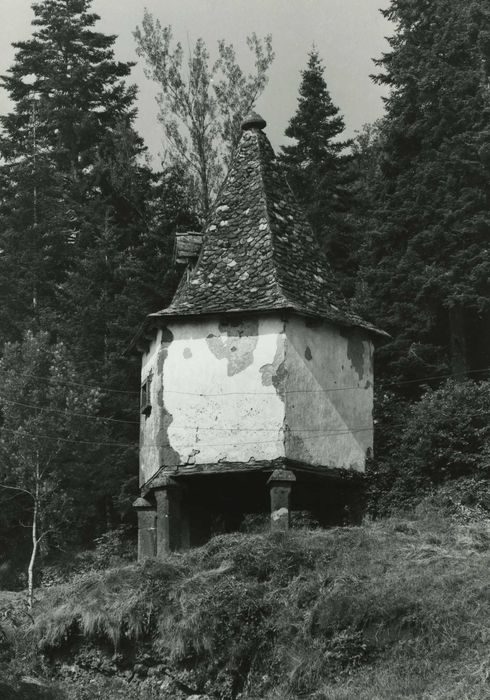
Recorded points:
(457,331)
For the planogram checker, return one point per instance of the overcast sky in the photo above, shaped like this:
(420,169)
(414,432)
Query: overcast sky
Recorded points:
(347,34)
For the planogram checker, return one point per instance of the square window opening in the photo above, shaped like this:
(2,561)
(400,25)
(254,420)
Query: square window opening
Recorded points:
(146,397)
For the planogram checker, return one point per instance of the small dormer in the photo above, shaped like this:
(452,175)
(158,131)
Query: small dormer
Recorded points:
(187,247)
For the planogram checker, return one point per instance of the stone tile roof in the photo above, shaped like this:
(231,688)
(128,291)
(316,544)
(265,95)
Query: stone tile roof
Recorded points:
(259,252)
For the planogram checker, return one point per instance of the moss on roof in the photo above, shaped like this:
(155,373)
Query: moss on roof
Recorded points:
(259,253)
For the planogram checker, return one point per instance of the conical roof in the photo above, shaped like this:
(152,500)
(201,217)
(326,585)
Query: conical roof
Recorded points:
(259,252)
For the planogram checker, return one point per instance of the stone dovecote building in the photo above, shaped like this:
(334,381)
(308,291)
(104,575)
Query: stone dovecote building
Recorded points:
(257,381)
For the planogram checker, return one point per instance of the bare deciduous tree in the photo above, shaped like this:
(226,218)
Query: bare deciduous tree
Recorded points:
(201,103)
(45,439)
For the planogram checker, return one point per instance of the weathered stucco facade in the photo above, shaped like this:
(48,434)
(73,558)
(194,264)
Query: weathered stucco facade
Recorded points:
(255,389)
(329,398)
(213,398)
(257,376)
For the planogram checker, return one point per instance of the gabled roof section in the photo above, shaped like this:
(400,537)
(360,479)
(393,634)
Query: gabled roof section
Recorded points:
(259,252)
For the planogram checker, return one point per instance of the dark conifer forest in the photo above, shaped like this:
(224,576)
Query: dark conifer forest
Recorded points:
(87,234)
(86,239)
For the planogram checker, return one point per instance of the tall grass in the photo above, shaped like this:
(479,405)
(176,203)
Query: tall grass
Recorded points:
(110,605)
(394,609)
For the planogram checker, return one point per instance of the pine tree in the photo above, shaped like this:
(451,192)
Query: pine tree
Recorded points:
(122,272)
(68,94)
(69,71)
(427,262)
(85,238)
(318,170)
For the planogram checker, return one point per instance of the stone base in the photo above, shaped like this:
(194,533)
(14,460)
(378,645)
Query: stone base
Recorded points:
(189,509)
(280,483)
(146,528)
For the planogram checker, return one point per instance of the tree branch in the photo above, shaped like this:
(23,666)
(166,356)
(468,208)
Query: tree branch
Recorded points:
(16,488)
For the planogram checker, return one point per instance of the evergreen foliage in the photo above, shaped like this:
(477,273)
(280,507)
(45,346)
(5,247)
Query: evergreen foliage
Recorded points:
(86,235)
(444,437)
(68,95)
(426,265)
(86,229)
(319,173)
(69,69)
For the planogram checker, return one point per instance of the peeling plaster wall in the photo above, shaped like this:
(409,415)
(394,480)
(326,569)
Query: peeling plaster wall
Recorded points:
(329,396)
(217,393)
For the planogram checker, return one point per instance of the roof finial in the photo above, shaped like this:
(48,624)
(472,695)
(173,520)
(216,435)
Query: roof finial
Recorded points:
(253,121)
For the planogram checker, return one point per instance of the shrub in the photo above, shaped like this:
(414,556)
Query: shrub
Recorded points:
(392,609)
(445,436)
(112,548)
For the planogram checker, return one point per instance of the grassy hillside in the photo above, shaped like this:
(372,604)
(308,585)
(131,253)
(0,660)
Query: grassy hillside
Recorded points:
(393,609)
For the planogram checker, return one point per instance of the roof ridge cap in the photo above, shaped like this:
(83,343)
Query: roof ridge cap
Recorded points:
(208,222)
(268,217)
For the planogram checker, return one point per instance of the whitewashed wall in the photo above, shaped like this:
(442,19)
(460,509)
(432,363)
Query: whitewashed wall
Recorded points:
(329,396)
(257,389)
(213,395)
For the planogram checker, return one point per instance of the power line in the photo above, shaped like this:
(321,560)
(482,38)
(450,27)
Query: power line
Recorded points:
(201,395)
(77,384)
(261,430)
(191,393)
(67,413)
(116,420)
(248,393)
(435,377)
(204,394)
(54,438)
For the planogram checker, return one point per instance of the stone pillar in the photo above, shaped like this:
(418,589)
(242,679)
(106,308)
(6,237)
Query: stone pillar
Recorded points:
(280,482)
(185,530)
(146,528)
(171,523)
